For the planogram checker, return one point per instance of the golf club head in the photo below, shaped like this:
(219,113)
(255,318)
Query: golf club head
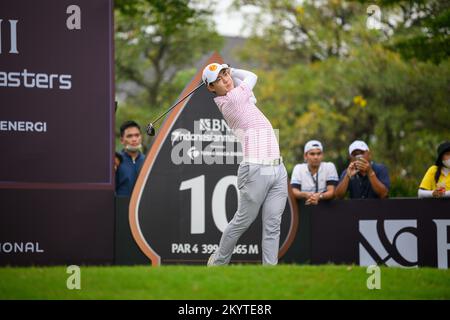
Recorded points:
(150,129)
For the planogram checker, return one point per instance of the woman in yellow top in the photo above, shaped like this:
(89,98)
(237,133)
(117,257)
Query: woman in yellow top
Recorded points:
(436,182)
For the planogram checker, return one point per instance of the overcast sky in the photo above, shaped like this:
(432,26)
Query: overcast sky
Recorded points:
(231,22)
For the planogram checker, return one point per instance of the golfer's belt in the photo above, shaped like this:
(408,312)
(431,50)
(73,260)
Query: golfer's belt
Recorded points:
(273,162)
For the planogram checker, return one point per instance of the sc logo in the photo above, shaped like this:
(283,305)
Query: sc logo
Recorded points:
(388,242)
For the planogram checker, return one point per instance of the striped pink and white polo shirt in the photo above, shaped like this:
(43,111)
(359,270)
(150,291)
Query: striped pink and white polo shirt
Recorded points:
(248,123)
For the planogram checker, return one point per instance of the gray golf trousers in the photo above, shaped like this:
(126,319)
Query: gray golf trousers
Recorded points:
(259,185)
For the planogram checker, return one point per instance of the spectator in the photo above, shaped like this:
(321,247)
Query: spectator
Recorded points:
(363,178)
(436,182)
(132,158)
(314,180)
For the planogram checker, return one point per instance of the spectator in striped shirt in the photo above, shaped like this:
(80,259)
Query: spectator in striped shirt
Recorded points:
(262,177)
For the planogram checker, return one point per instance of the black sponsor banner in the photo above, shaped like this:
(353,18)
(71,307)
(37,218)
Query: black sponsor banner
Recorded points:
(56,132)
(186,192)
(56,92)
(56,227)
(396,232)
(126,251)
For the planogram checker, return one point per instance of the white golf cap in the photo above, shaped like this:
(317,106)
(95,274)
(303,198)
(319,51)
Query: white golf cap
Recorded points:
(211,72)
(313,144)
(357,145)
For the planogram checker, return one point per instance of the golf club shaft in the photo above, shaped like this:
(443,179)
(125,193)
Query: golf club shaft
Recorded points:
(176,103)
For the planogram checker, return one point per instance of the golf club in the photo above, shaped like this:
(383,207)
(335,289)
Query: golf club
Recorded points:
(151,126)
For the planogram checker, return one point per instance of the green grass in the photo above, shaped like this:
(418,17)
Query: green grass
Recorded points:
(232,282)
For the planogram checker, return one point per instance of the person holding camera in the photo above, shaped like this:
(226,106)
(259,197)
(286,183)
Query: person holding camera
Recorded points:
(364,179)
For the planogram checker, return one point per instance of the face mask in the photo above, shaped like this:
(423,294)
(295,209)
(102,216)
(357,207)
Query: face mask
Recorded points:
(446,163)
(130,148)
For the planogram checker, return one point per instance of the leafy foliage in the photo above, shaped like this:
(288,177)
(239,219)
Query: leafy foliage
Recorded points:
(343,82)
(157,42)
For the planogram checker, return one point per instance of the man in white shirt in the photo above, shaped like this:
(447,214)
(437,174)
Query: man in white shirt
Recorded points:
(314,180)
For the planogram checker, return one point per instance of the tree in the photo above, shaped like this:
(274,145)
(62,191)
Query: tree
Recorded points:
(304,31)
(420,29)
(367,91)
(310,30)
(155,40)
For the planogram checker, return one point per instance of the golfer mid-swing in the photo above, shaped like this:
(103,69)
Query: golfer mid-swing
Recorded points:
(262,177)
